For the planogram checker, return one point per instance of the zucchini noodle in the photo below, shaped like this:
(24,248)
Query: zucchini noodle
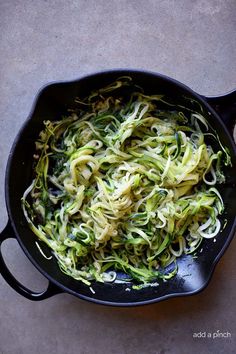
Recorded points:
(125,183)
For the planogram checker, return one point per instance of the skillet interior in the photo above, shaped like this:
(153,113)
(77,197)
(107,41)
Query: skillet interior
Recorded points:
(52,102)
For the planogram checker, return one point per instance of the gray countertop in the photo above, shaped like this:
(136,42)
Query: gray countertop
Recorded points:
(41,41)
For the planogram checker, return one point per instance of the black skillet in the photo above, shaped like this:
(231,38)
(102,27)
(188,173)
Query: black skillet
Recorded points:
(53,101)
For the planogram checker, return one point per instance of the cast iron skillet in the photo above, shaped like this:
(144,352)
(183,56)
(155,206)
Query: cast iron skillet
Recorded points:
(53,101)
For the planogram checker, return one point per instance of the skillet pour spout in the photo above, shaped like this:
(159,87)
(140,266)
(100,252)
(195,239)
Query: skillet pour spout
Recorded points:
(51,103)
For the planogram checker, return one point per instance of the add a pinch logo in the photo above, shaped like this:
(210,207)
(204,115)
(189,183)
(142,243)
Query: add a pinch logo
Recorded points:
(213,335)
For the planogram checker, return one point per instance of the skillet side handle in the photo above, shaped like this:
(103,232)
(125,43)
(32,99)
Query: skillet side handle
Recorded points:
(51,290)
(225,106)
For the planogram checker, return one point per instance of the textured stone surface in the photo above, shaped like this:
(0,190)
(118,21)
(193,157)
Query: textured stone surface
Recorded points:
(42,41)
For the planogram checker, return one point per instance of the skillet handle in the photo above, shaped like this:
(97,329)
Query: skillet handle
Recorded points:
(225,106)
(51,290)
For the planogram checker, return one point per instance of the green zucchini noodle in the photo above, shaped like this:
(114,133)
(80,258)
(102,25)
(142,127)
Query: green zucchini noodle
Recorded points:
(125,183)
